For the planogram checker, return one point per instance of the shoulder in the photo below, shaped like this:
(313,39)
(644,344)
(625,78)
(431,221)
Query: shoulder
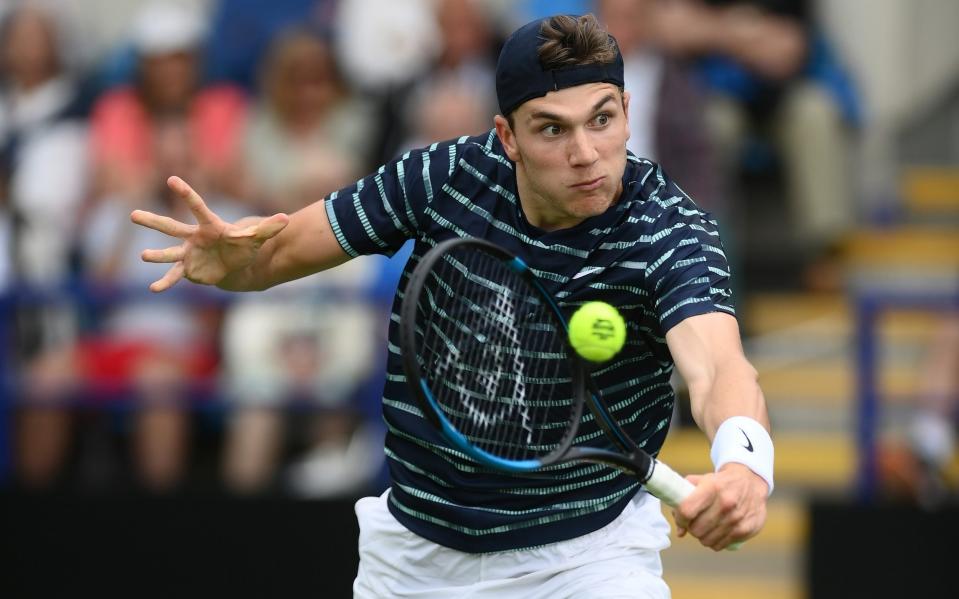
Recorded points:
(481,153)
(648,190)
(485,143)
(484,153)
(646,186)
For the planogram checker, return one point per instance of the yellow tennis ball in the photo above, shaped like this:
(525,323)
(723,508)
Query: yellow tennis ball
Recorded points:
(597,331)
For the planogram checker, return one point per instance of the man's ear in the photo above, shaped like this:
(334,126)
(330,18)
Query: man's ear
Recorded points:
(626,98)
(506,137)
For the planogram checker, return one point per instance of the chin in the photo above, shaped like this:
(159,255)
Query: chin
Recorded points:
(590,205)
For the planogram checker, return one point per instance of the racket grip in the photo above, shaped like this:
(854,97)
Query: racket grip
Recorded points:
(666,484)
(669,486)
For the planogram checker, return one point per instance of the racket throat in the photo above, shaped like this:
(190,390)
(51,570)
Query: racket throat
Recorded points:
(643,459)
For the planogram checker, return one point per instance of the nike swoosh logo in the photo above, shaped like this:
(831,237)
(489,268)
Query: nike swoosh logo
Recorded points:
(587,271)
(749,444)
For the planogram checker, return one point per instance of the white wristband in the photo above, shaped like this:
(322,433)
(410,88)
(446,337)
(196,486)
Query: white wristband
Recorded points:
(744,441)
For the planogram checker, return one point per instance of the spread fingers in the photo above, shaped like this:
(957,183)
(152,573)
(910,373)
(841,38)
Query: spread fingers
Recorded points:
(163,224)
(170,254)
(203,214)
(169,279)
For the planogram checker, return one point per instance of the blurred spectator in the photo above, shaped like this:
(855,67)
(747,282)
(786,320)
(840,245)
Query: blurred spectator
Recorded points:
(138,136)
(166,123)
(444,108)
(36,131)
(454,93)
(145,347)
(776,80)
(933,430)
(296,361)
(105,49)
(527,10)
(468,49)
(308,134)
(6,256)
(36,87)
(167,37)
(297,356)
(6,347)
(42,183)
(241,32)
(666,107)
(384,43)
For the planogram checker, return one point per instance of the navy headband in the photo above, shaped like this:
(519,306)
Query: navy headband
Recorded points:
(520,76)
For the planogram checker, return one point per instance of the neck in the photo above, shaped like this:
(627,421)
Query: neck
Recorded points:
(537,208)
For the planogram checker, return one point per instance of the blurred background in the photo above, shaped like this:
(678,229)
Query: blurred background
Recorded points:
(207,442)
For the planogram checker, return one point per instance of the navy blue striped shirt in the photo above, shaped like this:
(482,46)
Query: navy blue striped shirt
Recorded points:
(653,254)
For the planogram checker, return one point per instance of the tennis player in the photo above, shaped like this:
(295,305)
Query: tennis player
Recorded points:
(553,183)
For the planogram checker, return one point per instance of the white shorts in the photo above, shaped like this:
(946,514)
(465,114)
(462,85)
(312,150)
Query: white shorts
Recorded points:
(617,561)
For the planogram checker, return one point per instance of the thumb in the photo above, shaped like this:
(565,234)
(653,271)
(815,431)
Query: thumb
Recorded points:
(270,227)
(261,230)
(694,478)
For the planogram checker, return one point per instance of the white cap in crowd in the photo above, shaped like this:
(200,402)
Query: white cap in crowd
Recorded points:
(165,27)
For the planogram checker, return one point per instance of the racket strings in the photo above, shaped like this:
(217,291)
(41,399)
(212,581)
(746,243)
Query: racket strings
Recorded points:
(494,357)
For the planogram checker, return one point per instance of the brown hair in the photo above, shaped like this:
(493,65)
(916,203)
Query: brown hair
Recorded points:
(572,41)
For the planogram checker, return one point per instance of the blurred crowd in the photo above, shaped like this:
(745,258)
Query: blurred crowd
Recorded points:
(269,106)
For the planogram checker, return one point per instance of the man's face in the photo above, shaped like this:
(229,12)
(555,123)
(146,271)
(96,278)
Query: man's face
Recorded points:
(569,147)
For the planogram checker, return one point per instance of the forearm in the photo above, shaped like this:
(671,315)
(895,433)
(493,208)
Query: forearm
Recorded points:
(306,246)
(732,412)
(731,390)
(727,404)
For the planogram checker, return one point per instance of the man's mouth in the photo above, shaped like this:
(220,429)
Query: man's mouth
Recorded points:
(589,184)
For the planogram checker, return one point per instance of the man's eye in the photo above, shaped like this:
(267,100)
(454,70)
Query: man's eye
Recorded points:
(602,119)
(552,130)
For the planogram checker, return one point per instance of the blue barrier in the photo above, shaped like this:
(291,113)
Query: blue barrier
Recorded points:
(6,388)
(204,394)
(870,305)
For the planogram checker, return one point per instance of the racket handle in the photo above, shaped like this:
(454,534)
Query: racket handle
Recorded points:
(666,484)
(669,486)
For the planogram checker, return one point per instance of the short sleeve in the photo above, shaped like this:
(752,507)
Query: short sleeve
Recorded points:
(690,274)
(377,214)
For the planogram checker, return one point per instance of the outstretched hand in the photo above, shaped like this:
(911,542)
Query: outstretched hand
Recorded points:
(212,248)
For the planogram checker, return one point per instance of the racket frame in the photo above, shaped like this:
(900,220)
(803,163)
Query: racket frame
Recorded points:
(629,458)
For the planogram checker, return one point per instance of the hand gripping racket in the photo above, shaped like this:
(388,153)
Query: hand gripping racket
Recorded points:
(485,350)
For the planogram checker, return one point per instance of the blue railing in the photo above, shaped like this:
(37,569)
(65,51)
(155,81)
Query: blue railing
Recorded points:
(87,299)
(871,304)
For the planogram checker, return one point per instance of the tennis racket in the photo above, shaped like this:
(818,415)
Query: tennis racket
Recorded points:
(486,354)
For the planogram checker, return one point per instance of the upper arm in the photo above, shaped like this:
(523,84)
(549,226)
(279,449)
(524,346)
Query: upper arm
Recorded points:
(688,273)
(701,344)
(378,213)
(375,215)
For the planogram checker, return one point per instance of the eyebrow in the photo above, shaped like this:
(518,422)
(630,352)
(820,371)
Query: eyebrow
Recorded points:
(551,116)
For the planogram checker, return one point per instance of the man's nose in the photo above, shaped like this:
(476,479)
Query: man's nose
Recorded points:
(581,150)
